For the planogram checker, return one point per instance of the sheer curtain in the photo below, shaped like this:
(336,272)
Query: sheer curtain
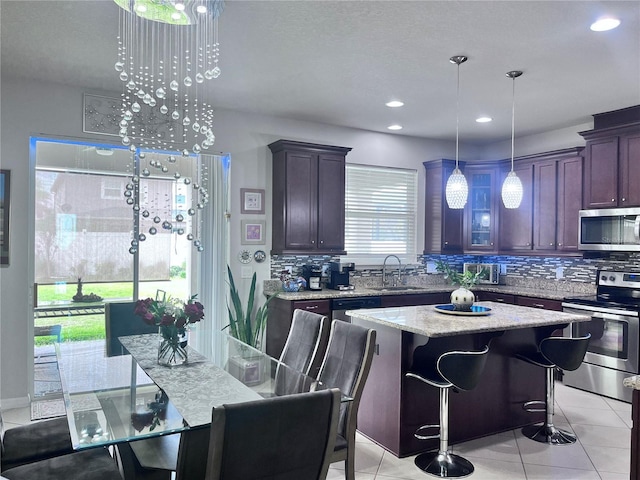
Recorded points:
(212,285)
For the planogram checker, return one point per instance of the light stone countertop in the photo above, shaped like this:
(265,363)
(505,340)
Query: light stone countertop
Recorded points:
(426,320)
(632,382)
(414,290)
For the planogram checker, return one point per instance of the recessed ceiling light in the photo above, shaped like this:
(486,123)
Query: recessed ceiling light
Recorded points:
(179,6)
(394,103)
(483,119)
(141,8)
(604,24)
(201,9)
(395,127)
(176,16)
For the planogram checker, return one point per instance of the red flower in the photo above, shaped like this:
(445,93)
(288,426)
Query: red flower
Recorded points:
(195,311)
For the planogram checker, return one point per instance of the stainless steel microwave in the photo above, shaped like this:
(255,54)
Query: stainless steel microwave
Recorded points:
(489,272)
(615,229)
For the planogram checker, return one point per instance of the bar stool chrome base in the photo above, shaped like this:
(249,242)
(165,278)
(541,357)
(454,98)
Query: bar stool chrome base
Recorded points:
(548,434)
(445,465)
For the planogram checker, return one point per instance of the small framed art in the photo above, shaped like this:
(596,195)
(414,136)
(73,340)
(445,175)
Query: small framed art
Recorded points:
(253,232)
(251,200)
(5,191)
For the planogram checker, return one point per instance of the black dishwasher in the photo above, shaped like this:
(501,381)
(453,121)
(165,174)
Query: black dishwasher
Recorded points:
(340,305)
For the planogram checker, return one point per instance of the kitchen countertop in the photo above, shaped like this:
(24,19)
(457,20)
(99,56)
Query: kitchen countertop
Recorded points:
(632,382)
(414,290)
(426,320)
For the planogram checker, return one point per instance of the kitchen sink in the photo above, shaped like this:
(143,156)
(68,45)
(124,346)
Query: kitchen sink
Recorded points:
(398,288)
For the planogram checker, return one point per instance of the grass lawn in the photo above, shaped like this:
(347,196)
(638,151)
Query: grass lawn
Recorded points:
(91,327)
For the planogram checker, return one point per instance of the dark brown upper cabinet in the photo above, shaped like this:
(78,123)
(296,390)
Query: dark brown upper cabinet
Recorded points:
(442,225)
(481,211)
(308,198)
(516,224)
(547,220)
(612,160)
(569,200)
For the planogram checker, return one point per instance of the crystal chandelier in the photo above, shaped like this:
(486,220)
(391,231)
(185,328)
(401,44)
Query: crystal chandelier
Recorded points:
(512,191)
(457,189)
(167,53)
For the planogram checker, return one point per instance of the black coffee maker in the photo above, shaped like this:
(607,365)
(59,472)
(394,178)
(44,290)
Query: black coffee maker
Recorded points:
(339,275)
(313,275)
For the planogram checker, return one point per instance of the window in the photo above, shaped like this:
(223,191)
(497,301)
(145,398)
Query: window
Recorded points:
(380,212)
(112,188)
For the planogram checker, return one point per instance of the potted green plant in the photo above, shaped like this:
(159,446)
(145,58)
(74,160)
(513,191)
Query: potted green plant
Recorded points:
(248,327)
(462,298)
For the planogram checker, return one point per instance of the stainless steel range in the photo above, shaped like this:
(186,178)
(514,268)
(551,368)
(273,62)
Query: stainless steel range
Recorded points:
(614,348)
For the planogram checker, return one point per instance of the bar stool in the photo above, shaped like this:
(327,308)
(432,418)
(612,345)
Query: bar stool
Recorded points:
(553,352)
(460,370)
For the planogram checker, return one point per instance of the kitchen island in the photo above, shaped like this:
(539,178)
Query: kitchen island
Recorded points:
(394,406)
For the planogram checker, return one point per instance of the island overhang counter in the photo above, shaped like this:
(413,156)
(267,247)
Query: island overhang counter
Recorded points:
(393,406)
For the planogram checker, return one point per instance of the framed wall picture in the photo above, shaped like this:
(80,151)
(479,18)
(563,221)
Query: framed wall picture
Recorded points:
(5,192)
(251,200)
(253,232)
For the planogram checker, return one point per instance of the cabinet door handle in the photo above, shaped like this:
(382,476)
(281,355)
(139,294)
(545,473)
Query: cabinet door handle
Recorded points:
(313,242)
(538,305)
(624,199)
(551,244)
(560,244)
(311,307)
(321,242)
(492,244)
(613,199)
(446,243)
(500,300)
(528,244)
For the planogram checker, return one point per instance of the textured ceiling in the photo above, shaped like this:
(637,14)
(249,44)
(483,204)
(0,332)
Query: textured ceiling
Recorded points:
(339,62)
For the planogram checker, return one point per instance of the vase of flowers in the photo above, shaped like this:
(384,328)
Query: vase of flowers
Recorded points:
(173,317)
(462,298)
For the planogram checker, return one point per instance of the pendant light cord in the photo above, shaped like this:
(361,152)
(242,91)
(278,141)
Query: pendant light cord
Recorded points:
(513,119)
(457,115)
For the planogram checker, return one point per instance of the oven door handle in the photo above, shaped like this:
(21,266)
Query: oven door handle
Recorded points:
(636,229)
(609,313)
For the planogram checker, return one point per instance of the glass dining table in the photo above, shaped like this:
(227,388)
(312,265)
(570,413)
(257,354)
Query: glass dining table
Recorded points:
(110,400)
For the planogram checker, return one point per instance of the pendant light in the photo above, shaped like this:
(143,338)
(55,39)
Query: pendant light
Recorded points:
(457,189)
(512,187)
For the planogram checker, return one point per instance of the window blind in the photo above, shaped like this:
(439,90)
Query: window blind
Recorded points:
(380,211)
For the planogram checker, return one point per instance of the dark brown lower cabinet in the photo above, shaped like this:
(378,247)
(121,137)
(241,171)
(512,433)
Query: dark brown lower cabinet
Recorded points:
(544,303)
(415,299)
(279,320)
(635,436)
(495,297)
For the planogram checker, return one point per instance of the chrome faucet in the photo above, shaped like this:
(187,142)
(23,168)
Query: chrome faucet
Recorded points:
(384,271)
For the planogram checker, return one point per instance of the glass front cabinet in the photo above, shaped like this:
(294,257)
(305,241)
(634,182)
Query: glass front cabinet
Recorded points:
(481,209)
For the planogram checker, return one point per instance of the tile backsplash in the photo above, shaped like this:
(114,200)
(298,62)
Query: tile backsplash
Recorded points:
(560,273)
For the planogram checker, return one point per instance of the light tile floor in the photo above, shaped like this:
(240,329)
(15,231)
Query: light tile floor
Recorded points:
(602,452)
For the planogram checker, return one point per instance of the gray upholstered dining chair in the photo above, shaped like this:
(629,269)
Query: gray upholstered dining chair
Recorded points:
(282,438)
(33,442)
(346,366)
(303,350)
(91,464)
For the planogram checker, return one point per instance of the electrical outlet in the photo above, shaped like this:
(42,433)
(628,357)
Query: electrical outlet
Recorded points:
(246,272)
(503,269)
(431,267)
(559,273)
